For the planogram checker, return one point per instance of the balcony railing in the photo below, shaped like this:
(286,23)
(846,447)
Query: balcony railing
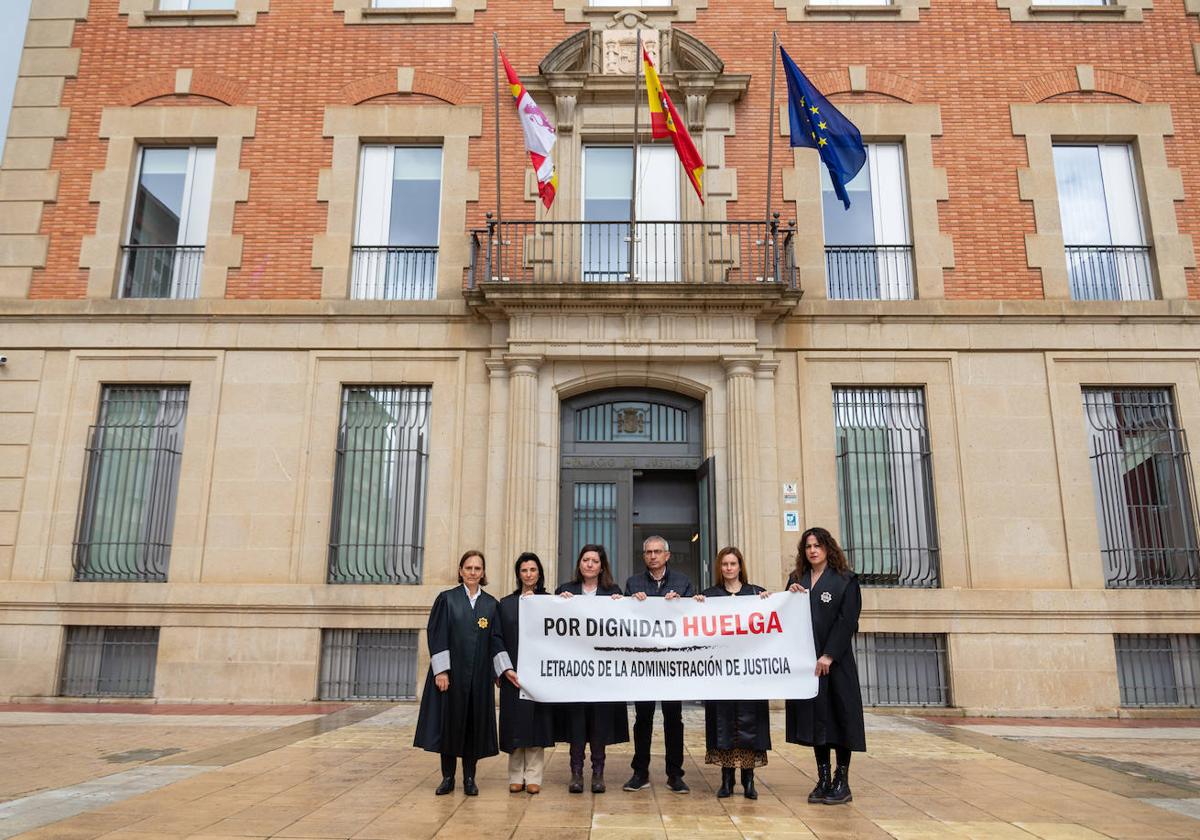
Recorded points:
(394,272)
(660,252)
(1110,272)
(869,272)
(162,271)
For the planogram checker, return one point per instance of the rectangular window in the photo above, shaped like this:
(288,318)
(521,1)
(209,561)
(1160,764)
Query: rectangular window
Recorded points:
(885,485)
(850,2)
(412,4)
(607,190)
(868,247)
(902,669)
(368,665)
(399,215)
(109,662)
(168,224)
(194,5)
(1141,474)
(1108,257)
(1158,669)
(378,523)
(131,479)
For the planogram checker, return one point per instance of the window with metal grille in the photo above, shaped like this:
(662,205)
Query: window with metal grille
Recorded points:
(885,486)
(902,669)
(368,665)
(127,509)
(378,523)
(109,662)
(1158,669)
(1145,506)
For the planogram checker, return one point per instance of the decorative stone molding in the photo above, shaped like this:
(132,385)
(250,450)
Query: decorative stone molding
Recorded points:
(915,126)
(364,11)
(147,13)
(183,82)
(129,129)
(1162,185)
(1192,7)
(1085,78)
(899,10)
(27,183)
(582,11)
(406,80)
(1031,10)
(350,127)
(858,78)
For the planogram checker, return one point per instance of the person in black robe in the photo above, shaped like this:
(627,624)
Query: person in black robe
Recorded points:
(737,733)
(597,724)
(834,718)
(458,707)
(526,727)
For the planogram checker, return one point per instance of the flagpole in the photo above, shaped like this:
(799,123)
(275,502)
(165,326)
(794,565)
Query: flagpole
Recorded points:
(771,149)
(496,91)
(637,85)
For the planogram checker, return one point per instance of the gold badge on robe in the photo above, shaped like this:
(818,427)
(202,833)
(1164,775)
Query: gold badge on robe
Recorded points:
(483,623)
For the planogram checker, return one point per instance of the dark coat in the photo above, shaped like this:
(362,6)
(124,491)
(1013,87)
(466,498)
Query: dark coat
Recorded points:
(736,724)
(835,716)
(523,723)
(473,640)
(672,581)
(592,723)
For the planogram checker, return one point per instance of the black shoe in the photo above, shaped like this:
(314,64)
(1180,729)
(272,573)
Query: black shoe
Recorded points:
(726,789)
(678,785)
(839,790)
(598,785)
(748,789)
(637,782)
(469,786)
(576,785)
(447,786)
(819,792)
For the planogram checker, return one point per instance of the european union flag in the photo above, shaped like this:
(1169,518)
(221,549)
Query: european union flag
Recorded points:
(817,124)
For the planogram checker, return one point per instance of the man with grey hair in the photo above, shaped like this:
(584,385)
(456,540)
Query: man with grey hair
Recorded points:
(658,581)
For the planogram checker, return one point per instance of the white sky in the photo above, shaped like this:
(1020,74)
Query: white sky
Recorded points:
(13,15)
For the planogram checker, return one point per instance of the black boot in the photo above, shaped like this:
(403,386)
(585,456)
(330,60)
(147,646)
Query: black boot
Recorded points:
(447,786)
(469,786)
(839,790)
(748,790)
(819,792)
(726,788)
(576,783)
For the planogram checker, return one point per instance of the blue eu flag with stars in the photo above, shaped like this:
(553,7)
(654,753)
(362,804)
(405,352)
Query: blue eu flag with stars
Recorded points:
(817,124)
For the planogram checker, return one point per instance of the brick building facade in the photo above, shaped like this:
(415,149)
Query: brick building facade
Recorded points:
(249,419)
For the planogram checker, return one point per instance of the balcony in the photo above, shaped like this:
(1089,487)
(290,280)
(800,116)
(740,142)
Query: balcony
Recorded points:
(393,272)
(869,272)
(162,271)
(1110,272)
(709,254)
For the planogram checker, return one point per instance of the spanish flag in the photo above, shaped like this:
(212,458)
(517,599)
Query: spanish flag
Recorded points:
(665,122)
(539,135)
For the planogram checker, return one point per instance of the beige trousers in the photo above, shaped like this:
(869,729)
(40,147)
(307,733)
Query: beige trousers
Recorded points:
(525,766)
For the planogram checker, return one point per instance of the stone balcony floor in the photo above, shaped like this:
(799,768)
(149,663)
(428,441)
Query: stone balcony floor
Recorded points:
(319,771)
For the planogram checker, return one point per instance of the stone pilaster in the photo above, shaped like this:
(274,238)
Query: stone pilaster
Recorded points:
(519,524)
(763,568)
(496,492)
(743,469)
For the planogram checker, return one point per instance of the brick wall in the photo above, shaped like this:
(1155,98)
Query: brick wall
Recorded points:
(964,55)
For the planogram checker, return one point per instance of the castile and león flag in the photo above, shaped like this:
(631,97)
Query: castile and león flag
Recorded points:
(540,135)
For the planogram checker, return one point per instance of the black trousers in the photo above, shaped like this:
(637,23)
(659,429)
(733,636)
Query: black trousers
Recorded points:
(643,730)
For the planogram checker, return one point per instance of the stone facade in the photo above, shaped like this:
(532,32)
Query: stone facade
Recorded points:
(999,350)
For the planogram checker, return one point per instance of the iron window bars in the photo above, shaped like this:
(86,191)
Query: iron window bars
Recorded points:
(109,662)
(127,510)
(368,665)
(902,669)
(885,486)
(1158,669)
(377,534)
(1142,478)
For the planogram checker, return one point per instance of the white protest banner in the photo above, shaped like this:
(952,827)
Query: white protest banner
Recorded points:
(597,649)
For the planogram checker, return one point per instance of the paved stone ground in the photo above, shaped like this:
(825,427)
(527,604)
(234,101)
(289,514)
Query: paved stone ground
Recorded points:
(329,772)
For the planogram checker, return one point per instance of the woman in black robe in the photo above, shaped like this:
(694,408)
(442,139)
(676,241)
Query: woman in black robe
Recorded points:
(737,733)
(834,718)
(597,724)
(526,728)
(458,707)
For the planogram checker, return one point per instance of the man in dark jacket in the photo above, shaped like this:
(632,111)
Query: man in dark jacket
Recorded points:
(658,581)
